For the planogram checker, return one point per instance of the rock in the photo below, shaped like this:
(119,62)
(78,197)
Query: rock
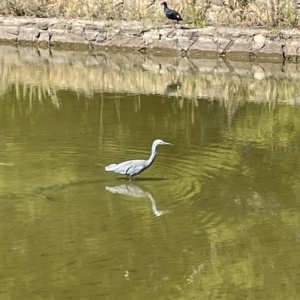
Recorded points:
(44,38)
(163,45)
(27,35)
(60,36)
(91,35)
(43,25)
(101,37)
(241,47)
(222,44)
(8,33)
(271,50)
(184,43)
(203,45)
(258,42)
(123,41)
(292,49)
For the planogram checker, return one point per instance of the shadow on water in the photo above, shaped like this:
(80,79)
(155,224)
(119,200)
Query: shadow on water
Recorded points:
(145,179)
(40,191)
(136,191)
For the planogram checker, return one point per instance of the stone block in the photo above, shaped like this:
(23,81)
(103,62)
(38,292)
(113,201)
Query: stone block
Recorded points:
(258,42)
(124,41)
(134,42)
(222,44)
(91,35)
(43,25)
(191,34)
(63,25)
(184,43)
(44,37)
(241,47)
(273,50)
(150,37)
(8,33)
(28,35)
(163,44)
(292,49)
(60,36)
(78,29)
(203,46)
(102,37)
(168,33)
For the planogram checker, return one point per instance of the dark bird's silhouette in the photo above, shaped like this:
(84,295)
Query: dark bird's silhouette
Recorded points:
(170,13)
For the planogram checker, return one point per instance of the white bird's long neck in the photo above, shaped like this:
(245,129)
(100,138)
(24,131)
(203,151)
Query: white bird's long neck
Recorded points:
(153,154)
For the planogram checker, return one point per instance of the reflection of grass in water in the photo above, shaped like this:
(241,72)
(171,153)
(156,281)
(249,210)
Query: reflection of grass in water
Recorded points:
(267,125)
(115,76)
(232,92)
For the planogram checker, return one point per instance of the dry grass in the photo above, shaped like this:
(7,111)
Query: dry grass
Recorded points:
(195,12)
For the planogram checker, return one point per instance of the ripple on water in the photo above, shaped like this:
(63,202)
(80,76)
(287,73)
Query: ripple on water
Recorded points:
(181,175)
(207,162)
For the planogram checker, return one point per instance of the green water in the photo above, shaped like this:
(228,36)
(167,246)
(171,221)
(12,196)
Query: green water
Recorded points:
(217,216)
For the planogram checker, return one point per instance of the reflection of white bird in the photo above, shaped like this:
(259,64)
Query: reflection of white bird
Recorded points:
(136,192)
(134,167)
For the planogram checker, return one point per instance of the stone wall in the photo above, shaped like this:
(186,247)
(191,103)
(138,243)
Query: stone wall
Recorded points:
(233,43)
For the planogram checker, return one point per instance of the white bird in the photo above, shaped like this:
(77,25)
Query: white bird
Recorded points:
(134,167)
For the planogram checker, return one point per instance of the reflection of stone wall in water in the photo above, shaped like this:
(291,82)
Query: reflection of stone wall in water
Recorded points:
(47,72)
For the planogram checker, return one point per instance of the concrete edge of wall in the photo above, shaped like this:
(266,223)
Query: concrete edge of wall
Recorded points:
(233,43)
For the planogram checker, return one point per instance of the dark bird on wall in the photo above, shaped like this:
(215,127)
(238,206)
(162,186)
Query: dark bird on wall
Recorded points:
(134,167)
(170,13)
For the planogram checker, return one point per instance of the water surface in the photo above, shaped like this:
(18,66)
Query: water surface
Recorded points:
(215,217)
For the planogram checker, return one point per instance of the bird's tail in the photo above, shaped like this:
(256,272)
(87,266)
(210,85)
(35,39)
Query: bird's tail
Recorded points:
(111,167)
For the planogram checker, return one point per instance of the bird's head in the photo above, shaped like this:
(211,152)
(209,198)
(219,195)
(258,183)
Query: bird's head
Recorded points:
(160,142)
(164,3)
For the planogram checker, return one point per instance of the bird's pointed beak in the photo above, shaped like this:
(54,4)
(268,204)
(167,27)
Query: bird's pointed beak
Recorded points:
(165,143)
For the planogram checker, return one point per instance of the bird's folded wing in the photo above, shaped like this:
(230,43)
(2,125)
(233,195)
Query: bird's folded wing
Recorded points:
(171,14)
